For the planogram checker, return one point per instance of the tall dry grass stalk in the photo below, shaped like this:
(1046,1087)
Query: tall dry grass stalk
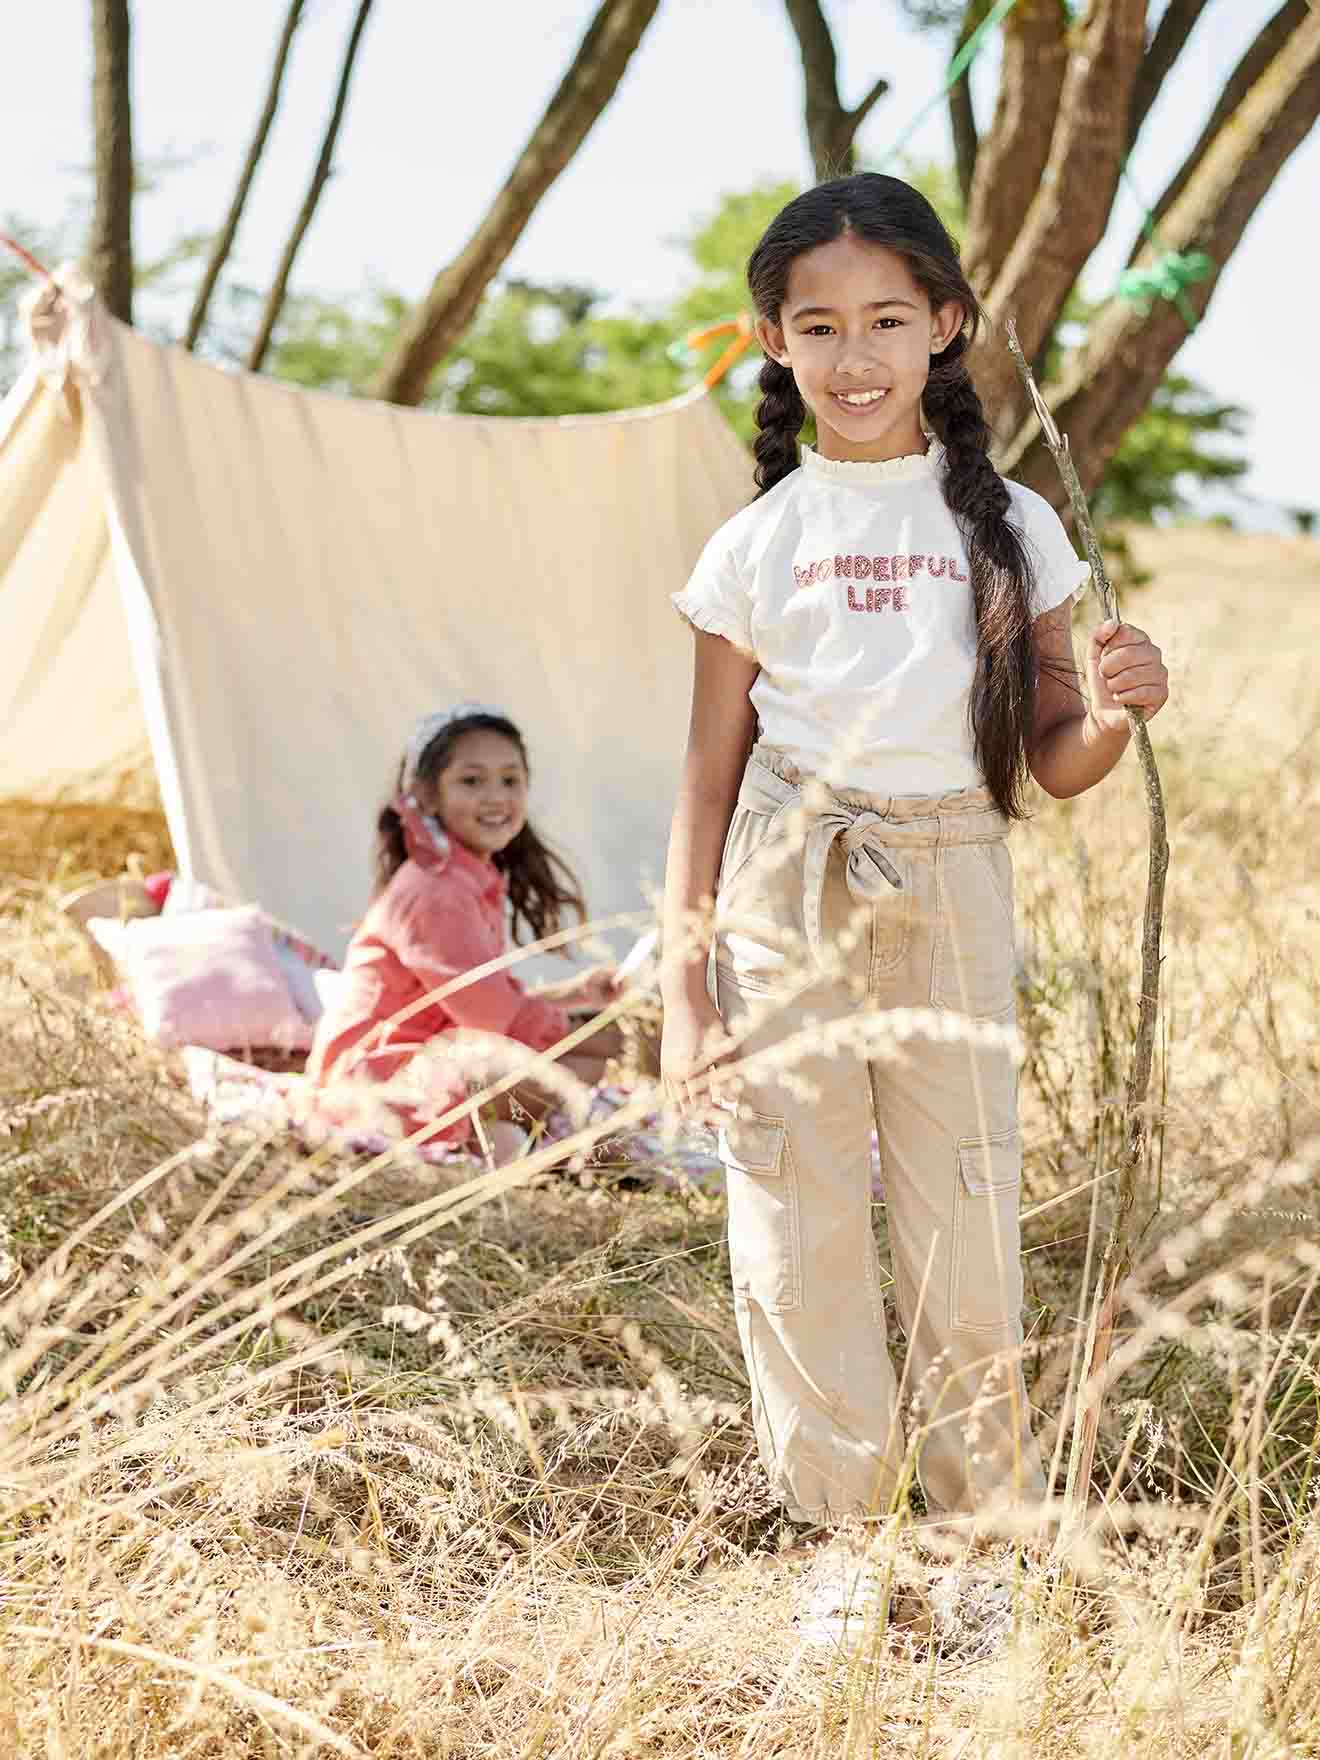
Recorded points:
(304,1453)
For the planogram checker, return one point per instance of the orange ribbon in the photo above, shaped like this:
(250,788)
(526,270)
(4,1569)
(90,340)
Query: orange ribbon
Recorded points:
(744,335)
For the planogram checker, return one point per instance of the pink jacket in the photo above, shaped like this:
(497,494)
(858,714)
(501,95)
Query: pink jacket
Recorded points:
(442,914)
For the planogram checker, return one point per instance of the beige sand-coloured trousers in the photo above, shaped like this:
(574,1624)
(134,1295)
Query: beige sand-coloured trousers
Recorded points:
(833,905)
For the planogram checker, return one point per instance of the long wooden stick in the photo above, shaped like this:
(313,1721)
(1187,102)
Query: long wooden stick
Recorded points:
(1117,1260)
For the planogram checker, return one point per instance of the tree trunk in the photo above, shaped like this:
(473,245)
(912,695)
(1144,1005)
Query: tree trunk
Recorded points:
(831,126)
(1012,157)
(111,251)
(1170,39)
(435,325)
(224,239)
(280,286)
(1244,76)
(962,114)
(1070,212)
(1115,373)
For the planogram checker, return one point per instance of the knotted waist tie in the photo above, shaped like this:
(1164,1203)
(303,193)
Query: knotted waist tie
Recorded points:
(868,838)
(870,874)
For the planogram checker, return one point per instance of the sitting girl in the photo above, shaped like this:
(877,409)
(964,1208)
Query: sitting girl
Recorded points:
(455,856)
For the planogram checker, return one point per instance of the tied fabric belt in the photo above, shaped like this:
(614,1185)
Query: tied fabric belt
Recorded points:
(870,874)
(870,829)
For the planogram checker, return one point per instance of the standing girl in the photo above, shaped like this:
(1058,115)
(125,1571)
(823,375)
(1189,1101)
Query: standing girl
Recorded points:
(887,629)
(455,858)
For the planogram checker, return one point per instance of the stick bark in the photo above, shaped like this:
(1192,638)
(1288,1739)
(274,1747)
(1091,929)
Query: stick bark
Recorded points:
(224,239)
(320,176)
(1117,1259)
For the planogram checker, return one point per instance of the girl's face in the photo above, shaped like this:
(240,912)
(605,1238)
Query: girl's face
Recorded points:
(857,333)
(480,797)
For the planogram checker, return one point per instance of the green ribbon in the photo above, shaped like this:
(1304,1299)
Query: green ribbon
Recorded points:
(1168,278)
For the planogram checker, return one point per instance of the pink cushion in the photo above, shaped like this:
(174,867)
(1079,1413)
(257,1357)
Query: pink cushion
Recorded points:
(207,978)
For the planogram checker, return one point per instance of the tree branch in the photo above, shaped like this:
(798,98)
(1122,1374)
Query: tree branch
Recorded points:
(1111,378)
(962,114)
(224,239)
(110,255)
(1070,211)
(831,126)
(1261,52)
(1170,39)
(280,286)
(440,319)
(1011,158)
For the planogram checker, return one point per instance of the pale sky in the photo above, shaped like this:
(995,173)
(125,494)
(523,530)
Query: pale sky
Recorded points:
(445,93)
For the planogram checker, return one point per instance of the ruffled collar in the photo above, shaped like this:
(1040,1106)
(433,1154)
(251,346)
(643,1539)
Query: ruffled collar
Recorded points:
(431,847)
(874,473)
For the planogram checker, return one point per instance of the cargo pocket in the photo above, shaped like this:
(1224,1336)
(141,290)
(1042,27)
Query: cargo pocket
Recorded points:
(974,960)
(986,1271)
(764,1251)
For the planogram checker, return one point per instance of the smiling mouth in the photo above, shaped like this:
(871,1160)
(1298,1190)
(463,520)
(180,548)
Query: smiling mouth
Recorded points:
(859,399)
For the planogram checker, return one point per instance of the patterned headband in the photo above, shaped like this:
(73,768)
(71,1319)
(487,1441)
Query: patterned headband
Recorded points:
(431,725)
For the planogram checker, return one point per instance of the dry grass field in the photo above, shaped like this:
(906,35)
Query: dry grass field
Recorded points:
(303,1455)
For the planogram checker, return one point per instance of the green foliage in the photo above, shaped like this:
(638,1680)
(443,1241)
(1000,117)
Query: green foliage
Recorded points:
(547,351)
(333,345)
(1181,443)
(550,350)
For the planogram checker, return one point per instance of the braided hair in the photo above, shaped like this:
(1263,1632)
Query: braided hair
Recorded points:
(541,884)
(888,212)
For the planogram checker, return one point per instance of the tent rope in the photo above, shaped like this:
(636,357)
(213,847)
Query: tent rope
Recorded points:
(25,257)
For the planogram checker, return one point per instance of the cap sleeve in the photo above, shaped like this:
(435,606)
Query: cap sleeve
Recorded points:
(716,598)
(1057,569)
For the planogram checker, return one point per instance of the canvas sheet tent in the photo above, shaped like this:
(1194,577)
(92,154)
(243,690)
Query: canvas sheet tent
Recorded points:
(257,589)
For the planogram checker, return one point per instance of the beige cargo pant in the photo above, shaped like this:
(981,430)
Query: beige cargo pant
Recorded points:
(833,907)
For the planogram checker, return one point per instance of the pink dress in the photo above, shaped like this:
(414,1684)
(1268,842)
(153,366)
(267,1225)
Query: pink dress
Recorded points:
(444,912)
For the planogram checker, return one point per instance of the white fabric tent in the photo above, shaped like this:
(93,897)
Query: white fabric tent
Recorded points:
(258,589)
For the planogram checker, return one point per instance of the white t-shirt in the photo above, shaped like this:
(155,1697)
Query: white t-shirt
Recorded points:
(848,583)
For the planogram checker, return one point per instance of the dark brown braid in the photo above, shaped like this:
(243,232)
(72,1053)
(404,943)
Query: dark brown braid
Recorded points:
(541,884)
(779,418)
(888,212)
(1003,696)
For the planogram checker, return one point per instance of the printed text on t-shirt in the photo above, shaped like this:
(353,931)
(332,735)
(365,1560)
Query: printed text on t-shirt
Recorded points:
(894,569)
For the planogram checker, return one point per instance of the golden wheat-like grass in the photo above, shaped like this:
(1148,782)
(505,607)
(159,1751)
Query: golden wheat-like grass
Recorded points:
(302,1454)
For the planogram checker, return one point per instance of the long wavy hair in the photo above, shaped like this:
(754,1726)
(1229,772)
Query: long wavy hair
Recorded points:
(885,211)
(542,887)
